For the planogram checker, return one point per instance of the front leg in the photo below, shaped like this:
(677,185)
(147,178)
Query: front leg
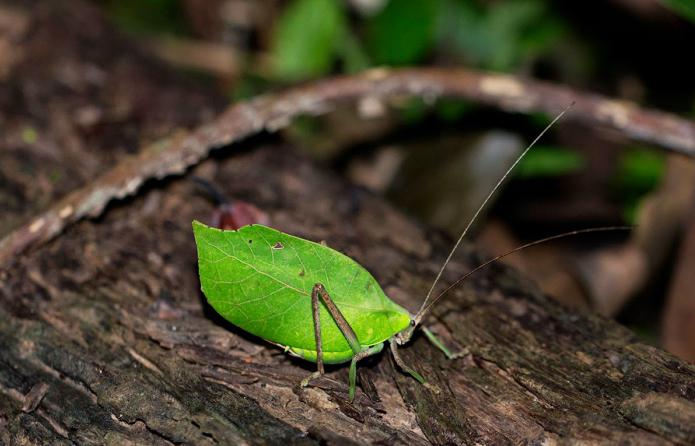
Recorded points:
(404,367)
(401,364)
(440,345)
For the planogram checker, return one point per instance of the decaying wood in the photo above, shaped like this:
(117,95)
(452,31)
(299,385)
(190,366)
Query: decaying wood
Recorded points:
(106,338)
(678,331)
(110,317)
(76,99)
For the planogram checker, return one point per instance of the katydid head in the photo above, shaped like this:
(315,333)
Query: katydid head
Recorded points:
(404,336)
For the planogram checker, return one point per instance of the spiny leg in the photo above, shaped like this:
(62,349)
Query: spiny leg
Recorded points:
(316,315)
(440,345)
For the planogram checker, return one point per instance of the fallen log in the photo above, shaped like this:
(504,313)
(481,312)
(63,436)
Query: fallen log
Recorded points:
(106,338)
(109,320)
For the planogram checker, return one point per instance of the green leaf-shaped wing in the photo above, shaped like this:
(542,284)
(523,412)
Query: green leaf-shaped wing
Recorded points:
(260,279)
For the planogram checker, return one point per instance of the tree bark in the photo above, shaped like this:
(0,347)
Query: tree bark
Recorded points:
(106,338)
(110,317)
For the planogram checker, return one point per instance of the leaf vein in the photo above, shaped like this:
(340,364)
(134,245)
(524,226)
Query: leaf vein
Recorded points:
(250,265)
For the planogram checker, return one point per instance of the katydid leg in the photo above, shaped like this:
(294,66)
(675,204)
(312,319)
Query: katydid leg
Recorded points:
(316,315)
(440,345)
(402,365)
(353,366)
(305,382)
(319,292)
(338,317)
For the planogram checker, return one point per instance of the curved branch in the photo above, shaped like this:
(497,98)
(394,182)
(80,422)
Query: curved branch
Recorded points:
(271,112)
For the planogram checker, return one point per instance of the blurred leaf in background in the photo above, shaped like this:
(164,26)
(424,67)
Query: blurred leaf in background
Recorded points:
(451,110)
(402,32)
(305,40)
(352,53)
(248,86)
(685,8)
(639,172)
(500,35)
(549,161)
(311,35)
(148,17)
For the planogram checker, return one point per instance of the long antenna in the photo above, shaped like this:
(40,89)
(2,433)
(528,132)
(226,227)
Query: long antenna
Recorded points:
(517,249)
(426,304)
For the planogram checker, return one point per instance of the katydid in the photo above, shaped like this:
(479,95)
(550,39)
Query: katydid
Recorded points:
(313,301)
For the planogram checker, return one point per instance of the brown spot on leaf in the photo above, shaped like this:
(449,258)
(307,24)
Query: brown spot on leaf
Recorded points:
(278,245)
(301,273)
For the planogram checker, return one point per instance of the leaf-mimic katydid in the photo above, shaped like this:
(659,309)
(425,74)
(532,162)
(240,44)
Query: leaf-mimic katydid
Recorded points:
(313,301)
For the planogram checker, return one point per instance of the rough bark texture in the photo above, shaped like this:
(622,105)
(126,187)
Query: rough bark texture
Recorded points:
(106,337)
(110,318)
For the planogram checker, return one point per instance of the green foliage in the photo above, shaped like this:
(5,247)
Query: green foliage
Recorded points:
(641,169)
(148,17)
(499,36)
(639,172)
(351,52)
(306,38)
(453,109)
(29,135)
(446,109)
(402,32)
(261,279)
(249,86)
(685,8)
(547,161)
(312,35)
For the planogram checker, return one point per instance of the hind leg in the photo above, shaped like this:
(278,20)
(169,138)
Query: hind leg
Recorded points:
(319,292)
(316,315)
